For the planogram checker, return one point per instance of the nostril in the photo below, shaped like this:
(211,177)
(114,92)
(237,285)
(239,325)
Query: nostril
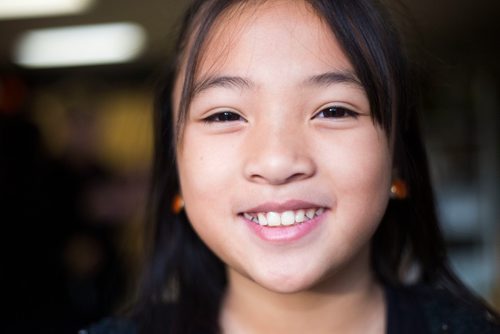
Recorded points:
(280,173)
(297,177)
(278,160)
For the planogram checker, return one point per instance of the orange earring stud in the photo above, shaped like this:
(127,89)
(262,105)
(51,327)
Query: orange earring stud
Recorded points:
(177,204)
(399,189)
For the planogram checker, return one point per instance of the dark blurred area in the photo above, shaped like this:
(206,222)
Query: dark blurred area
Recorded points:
(75,150)
(69,208)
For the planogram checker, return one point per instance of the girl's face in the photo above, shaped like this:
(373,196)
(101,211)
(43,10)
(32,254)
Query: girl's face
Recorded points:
(279,133)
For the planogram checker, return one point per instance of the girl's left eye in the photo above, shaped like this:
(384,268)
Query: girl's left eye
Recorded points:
(336,112)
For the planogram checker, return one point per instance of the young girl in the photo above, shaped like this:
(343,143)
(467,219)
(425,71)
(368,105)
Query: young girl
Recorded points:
(287,140)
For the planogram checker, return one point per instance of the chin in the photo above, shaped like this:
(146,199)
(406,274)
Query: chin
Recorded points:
(287,283)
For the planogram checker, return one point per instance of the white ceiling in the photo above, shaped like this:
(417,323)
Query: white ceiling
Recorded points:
(158,17)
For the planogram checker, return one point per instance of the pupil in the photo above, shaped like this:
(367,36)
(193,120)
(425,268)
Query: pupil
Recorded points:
(228,116)
(334,112)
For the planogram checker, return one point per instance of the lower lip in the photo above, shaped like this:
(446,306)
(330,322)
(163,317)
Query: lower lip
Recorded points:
(285,234)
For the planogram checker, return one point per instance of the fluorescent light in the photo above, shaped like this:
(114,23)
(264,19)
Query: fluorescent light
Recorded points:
(10,9)
(80,45)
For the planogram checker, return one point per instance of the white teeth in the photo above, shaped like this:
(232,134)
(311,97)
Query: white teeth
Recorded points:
(287,218)
(247,216)
(273,219)
(300,216)
(262,219)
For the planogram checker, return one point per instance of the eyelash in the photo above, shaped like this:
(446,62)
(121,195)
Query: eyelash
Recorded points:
(223,117)
(337,112)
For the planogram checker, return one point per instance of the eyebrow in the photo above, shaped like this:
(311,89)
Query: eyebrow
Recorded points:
(221,81)
(335,77)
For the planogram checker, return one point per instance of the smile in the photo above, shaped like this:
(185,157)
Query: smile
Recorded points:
(286,218)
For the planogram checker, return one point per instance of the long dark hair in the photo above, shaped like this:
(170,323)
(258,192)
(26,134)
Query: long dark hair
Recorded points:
(183,274)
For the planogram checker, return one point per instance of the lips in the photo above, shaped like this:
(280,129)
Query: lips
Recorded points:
(285,223)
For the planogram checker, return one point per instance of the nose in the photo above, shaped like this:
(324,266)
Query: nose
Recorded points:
(278,154)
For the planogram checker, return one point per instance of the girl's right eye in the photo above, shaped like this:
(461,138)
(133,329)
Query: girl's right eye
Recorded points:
(222,117)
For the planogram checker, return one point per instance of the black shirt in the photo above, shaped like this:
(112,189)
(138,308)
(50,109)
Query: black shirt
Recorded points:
(410,310)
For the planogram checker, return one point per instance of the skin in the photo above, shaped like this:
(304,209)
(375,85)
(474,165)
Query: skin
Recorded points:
(278,144)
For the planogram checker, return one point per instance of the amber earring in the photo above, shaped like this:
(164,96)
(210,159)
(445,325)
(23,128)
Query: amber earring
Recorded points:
(399,189)
(177,204)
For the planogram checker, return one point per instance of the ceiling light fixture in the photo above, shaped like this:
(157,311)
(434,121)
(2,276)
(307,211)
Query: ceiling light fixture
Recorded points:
(80,45)
(13,9)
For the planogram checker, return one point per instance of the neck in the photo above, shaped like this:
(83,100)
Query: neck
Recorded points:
(351,302)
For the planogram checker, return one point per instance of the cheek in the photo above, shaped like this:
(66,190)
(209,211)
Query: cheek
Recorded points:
(205,166)
(358,163)
(367,174)
(208,173)
(358,168)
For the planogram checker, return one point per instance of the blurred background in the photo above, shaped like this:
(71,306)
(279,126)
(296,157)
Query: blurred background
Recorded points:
(77,79)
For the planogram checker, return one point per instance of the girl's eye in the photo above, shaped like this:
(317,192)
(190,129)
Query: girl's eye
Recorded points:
(336,112)
(225,116)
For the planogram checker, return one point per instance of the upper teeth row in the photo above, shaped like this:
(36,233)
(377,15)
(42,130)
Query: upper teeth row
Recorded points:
(284,218)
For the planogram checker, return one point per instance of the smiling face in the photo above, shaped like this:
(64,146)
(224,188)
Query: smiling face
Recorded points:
(284,174)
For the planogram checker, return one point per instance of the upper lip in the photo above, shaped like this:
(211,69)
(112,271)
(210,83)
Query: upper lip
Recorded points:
(289,205)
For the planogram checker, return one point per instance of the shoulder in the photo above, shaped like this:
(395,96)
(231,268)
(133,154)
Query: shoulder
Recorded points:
(155,318)
(112,326)
(446,313)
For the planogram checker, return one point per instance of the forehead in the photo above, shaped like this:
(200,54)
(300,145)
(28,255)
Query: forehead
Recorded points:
(284,32)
